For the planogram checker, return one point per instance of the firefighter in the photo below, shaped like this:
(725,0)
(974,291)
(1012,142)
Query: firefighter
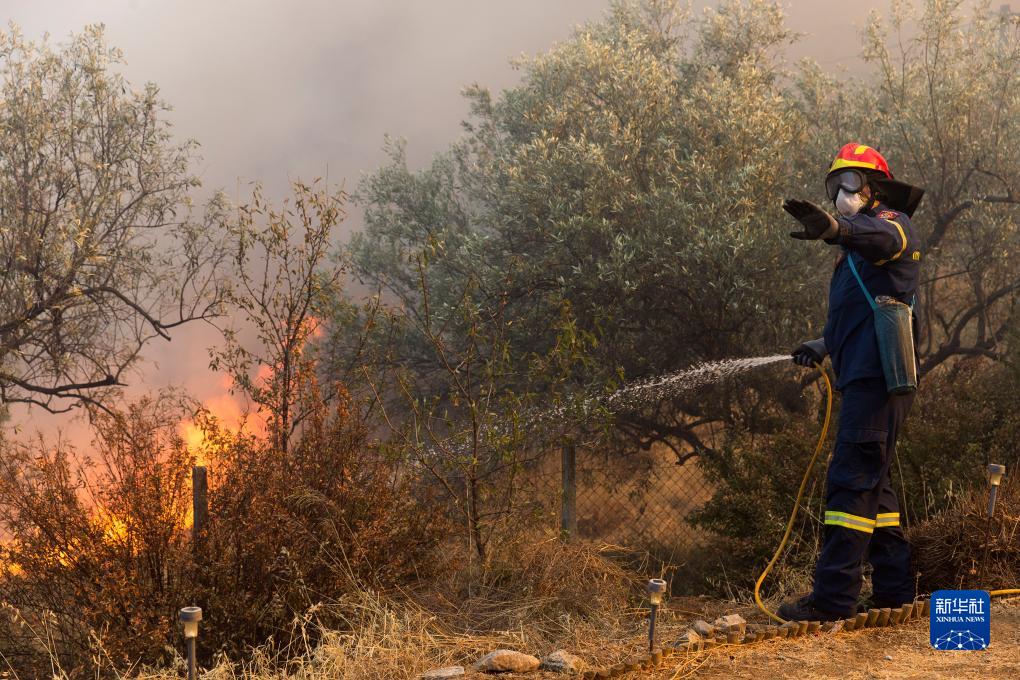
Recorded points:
(872,226)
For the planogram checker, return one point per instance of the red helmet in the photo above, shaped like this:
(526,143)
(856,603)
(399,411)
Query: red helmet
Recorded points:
(854,155)
(868,165)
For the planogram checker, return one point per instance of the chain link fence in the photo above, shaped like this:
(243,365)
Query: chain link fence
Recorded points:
(640,500)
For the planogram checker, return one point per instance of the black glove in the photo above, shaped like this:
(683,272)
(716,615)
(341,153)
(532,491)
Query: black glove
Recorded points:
(810,353)
(817,223)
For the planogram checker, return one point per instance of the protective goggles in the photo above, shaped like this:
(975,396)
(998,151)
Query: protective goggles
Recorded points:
(849,180)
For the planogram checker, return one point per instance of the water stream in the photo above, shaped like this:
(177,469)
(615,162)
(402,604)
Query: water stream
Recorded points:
(643,393)
(555,422)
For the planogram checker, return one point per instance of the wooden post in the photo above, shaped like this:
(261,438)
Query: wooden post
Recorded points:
(568,516)
(199,504)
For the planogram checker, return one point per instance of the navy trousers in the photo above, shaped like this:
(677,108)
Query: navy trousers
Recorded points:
(862,519)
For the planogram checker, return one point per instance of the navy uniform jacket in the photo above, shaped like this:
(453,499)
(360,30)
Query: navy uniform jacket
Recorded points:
(887,254)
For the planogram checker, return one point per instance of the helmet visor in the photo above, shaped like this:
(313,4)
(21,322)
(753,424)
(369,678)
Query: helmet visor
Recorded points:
(848,179)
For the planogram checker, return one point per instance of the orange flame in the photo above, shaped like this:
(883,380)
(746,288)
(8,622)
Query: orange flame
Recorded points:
(228,409)
(194,439)
(114,529)
(231,415)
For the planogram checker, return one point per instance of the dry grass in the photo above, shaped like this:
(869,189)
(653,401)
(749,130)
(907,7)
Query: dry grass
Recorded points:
(534,596)
(949,549)
(385,640)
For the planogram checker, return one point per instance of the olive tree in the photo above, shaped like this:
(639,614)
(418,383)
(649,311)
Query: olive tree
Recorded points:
(99,255)
(944,107)
(635,174)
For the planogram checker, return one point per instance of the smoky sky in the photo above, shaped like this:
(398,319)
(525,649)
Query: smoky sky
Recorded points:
(275,91)
(278,90)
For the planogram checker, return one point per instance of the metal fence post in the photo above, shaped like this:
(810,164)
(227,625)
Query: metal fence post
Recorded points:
(199,505)
(568,515)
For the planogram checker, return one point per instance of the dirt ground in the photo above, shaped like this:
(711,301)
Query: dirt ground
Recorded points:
(901,652)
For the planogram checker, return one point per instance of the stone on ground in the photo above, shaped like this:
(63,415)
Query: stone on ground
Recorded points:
(731,623)
(561,661)
(703,628)
(689,640)
(506,661)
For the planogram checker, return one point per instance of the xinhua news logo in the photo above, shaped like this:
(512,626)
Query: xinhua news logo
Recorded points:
(960,619)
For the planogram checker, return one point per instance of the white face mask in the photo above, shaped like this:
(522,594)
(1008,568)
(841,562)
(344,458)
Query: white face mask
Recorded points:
(848,204)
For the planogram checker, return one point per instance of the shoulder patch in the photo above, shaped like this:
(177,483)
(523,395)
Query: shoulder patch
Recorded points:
(888,214)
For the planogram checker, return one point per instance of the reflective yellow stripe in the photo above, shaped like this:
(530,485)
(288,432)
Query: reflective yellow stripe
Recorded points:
(887,519)
(903,248)
(845,519)
(847,516)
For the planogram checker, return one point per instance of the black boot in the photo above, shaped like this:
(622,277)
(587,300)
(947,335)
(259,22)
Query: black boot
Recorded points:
(805,610)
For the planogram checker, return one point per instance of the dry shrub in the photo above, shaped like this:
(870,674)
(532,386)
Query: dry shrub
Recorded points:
(101,558)
(949,548)
(96,562)
(755,481)
(290,531)
(531,580)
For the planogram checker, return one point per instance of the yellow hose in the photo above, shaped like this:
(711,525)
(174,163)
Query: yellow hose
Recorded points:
(800,496)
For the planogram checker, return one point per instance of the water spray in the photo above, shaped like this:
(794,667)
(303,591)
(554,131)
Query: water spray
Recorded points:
(642,393)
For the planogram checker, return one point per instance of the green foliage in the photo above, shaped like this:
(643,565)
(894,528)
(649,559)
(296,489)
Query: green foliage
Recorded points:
(469,428)
(755,483)
(635,174)
(99,253)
